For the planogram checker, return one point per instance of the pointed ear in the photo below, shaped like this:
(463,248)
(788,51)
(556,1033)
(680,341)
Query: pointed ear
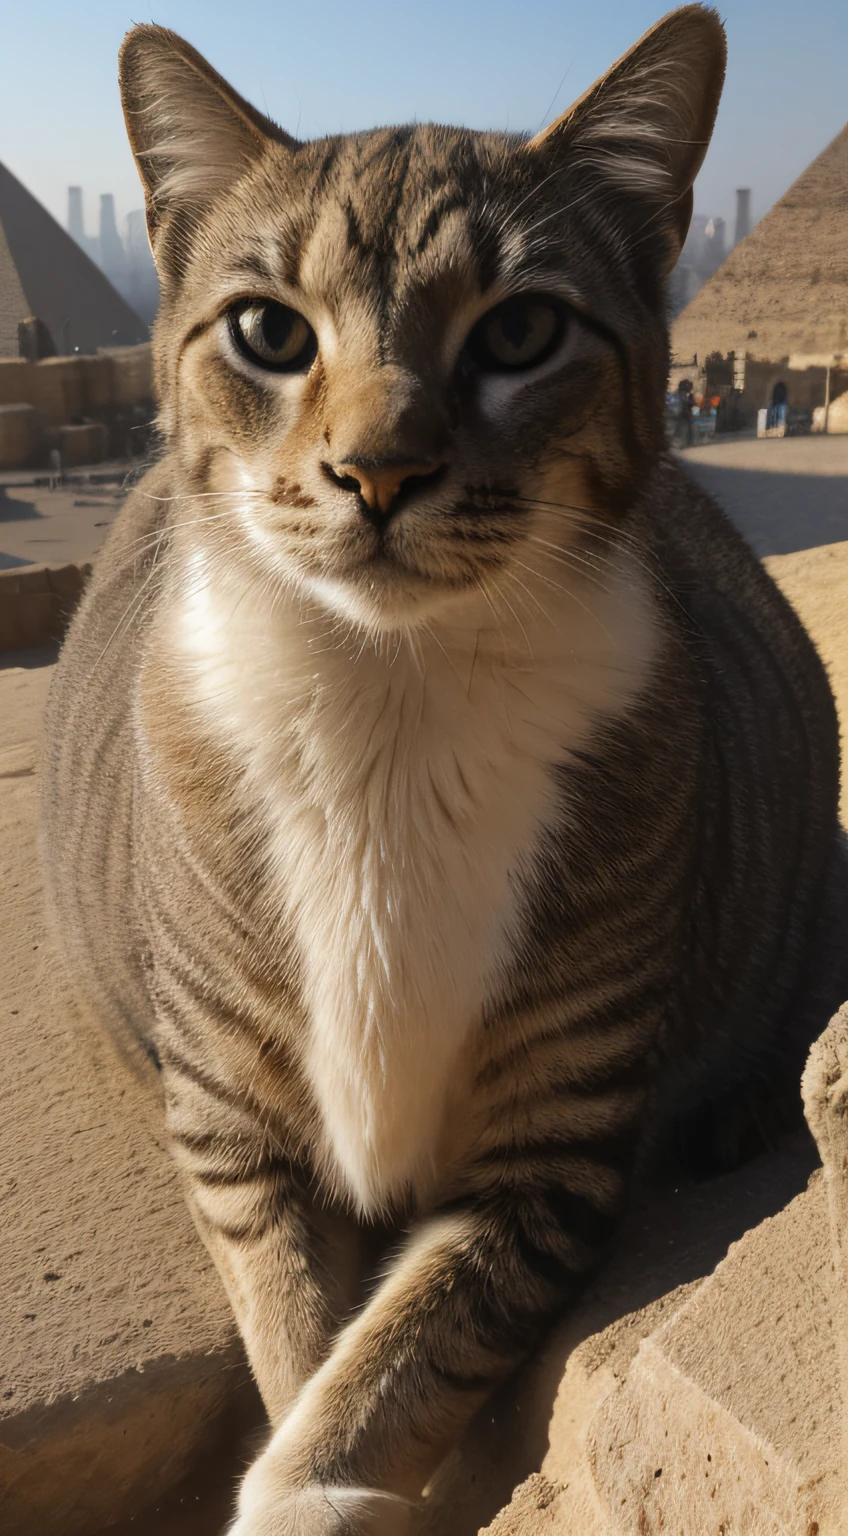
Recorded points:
(191,134)
(643,129)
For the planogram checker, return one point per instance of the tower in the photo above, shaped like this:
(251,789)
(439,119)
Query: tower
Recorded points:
(113,258)
(142,283)
(76,225)
(743,214)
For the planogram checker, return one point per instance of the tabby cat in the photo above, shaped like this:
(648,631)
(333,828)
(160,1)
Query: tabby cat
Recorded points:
(437,784)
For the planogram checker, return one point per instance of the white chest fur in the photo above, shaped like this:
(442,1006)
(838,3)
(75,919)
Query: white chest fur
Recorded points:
(403,788)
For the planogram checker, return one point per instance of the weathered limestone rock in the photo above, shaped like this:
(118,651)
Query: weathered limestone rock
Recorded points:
(722,1411)
(672,1238)
(825,1088)
(118,1352)
(837,416)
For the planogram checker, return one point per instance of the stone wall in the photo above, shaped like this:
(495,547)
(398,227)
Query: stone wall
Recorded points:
(21,432)
(36,603)
(744,384)
(113,387)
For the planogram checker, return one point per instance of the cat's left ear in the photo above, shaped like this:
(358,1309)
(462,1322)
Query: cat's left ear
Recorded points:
(192,135)
(643,129)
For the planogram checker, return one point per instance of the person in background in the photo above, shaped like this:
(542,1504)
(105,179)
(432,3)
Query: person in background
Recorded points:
(779,402)
(686,402)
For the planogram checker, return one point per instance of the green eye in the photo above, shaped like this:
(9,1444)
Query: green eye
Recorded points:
(273,336)
(520,333)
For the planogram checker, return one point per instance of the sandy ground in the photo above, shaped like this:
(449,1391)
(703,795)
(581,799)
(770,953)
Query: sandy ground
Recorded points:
(785,494)
(43,527)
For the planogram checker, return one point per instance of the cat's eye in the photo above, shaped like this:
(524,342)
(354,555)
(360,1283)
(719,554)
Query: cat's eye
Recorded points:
(522,332)
(273,335)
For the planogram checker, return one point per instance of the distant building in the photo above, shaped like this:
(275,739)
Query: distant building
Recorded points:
(702,255)
(743,215)
(53,299)
(142,281)
(127,263)
(113,257)
(76,225)
(768,334)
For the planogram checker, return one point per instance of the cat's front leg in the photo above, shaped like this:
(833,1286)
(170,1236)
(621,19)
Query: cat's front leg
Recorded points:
(462,1304)
(267,1509)
(289,1268)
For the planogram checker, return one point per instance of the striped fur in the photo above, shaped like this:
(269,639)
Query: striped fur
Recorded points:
(444,865)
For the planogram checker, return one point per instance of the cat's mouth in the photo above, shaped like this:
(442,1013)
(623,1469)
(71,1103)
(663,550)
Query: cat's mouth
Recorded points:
(419,564)
(386,587)
(385,570)
(393,571)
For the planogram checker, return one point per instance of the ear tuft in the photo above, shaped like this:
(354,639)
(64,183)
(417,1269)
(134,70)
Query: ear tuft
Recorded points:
(645,126)
(191,134)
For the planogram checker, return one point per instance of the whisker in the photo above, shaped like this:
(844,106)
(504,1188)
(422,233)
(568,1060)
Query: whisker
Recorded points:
(520,625)
(532,596)
(569,506)
(189,522)
(129,612)
(595,528)
(433,636)
(587,521)
(486,594)
(573,559)
(573,598)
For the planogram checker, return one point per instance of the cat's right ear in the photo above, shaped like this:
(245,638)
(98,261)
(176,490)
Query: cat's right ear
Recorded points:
(641,132)
(191,134)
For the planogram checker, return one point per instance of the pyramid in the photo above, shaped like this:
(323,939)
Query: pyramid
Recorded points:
(784,289)
(43,272)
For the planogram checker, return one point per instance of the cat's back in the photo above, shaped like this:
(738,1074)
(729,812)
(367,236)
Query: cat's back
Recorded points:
(89,758)
(732,614)
(768,844)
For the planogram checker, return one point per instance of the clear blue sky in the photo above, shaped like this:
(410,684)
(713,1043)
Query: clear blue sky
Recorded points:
(323,66)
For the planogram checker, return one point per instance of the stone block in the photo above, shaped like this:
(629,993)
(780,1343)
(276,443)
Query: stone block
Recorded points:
(65,388)
(97,383)
(725,1419)
(132,374)
(837,416)
(84,443)
(825,1089)
(15,375)
(36,602)
(55,386)
(21,437)
(720,1411)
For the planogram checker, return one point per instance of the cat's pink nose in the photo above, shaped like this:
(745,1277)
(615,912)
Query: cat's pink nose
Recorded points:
(381,483)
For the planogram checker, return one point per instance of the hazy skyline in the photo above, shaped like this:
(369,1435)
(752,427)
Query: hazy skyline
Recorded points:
(335,67)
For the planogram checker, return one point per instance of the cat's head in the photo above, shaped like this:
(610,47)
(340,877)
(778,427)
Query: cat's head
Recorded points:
(409,363)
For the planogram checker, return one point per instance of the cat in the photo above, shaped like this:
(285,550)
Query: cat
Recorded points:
(436,783)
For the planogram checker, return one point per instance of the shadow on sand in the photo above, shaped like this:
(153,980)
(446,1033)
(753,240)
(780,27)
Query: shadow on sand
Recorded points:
(778,512)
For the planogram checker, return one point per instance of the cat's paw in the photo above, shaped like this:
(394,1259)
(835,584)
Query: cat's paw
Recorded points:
(268,1510)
